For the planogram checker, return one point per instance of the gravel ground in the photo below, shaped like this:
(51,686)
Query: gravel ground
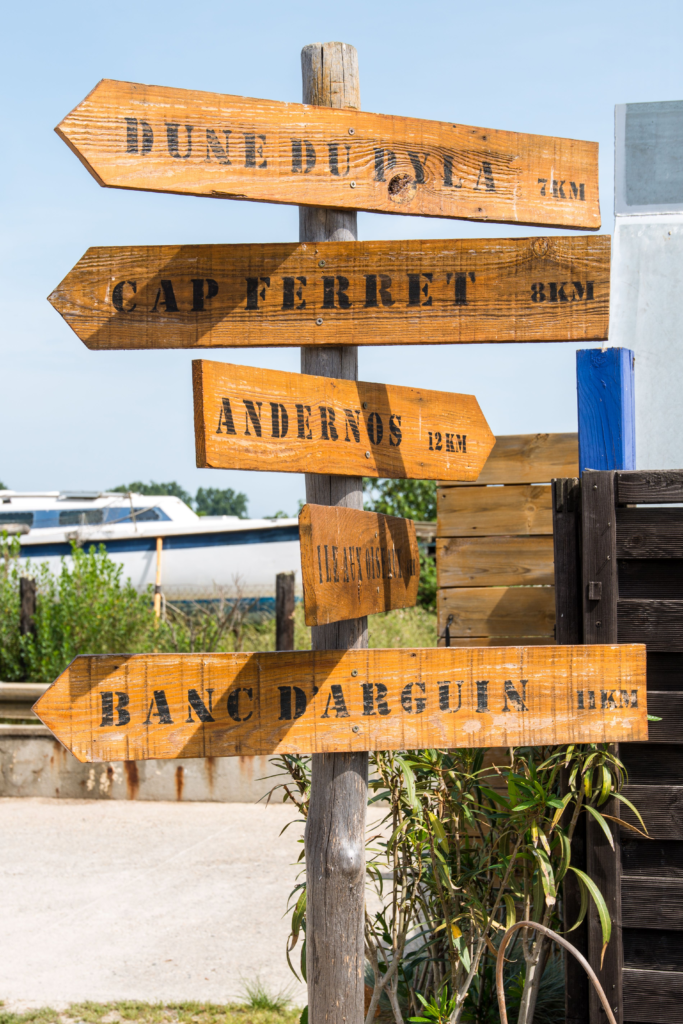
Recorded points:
(113,900)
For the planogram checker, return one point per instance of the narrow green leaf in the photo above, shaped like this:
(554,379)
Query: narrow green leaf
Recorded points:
(598,899)
(602,823)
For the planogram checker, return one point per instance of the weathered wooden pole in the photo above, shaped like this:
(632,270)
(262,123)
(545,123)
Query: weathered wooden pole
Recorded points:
(284,611)
(27,605)
(335,832)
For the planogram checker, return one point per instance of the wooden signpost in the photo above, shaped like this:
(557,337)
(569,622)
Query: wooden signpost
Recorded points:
(356,563)
(330,293)
(134,707)
(233,147)
(248,418)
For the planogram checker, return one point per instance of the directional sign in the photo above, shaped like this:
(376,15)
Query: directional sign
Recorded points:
(360,293)
(133,707)
(248,418)
(232,147)
(356,563)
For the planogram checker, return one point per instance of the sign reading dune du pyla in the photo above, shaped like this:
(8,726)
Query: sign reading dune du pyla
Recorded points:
(356,563)
(231,147)
(248,418)
(331,293)
(133,707)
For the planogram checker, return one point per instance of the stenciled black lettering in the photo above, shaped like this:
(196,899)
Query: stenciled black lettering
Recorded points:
(460,298)
(538,292)
(487,171)
(196,704)
(289,291)
(117,299)
(418,166)
(353,422)
(225,418)
(173,143)
(378,700)
(395,432)
(279,419)
(168,302)
(336,697)
(360,574)
(375,428)
(445,695)
(328,431)
(482,696)
(334,159)
(198,297)
(132,137)
(303,422)
(215,146)
(542,182)
(557,292)
(251,414)
(384,159)
(254,149)
(300,703)
(108,710)
(233,703)
(320,565)
(335,567)
(298,148)
(512,694)
(578,191)
(558,190)
(413,705)
(162,710)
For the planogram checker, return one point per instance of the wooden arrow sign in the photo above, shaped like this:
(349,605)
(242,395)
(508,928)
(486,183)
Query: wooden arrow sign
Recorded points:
(356,563)
(232,147)
(248,418)
(134,707)
(360,293)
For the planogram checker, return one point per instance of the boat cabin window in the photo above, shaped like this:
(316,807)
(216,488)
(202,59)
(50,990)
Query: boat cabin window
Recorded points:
(16,517)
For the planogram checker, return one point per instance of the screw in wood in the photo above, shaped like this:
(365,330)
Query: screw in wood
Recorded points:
(352,184)
(319,321)
(355,728)
(352,131)
(354,672)
(367,455)
(321,263)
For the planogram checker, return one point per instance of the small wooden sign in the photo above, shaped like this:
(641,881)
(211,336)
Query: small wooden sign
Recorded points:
(356,563)
(248,418)
(330,293)
(231,147)
(134,707)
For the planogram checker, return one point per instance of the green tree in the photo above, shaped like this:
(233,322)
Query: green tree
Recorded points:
(211,501)
(3,487)
(171,488)
(410,499)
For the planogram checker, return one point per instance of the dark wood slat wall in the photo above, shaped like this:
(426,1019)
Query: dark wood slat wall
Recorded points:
(633,557)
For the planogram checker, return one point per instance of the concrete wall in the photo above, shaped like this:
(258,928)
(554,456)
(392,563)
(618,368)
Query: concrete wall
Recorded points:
(40,766)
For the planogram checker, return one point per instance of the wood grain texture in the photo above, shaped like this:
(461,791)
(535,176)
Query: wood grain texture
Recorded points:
(497,611)
(494,561)
(329,293)
(642,487)
(649,532)
(160,139)
(652,902)
(599,555)
(356,563)
(518,510)
(660,857)
(531,459)
(566,501)
(654,949)
(653,997)
(658,578)
(661,807)
(248,418)
(335,825)
(659,624)
(135,707)
(284,611)
(667,705)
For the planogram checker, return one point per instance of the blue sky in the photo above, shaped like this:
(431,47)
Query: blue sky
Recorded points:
(72,418)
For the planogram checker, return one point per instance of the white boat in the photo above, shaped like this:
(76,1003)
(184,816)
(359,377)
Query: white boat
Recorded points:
(200,557)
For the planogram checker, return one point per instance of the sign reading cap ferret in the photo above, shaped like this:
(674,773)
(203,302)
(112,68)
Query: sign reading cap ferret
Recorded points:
(231,147)
(133,707)
(356,563)
(248,418)
(329,293)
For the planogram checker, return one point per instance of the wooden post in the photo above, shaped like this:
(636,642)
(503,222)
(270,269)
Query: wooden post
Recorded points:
(157,582)
(27,598)
(284,611)
(606,400)
(335,831)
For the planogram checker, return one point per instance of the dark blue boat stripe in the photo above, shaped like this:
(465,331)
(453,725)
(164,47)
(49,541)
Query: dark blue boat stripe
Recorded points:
(277,534)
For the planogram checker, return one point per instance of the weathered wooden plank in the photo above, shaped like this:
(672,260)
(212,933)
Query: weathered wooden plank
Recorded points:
(651,578)
(494,641)
(494,561)
(654,949)
(329,293)
(599,554)
(653,997)
(158,139)
(659,624)
(518,510)
(356,563)
(653,764)
(531,459)
(660,857)
(652,902)
(650,486)
(649,532)
(497,611)
(248,418)
(566,502)
(606,402)
(664,670)
(134,707)
(660,806)
(667,705)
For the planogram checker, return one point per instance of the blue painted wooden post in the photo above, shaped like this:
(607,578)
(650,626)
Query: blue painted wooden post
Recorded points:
(607,431)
